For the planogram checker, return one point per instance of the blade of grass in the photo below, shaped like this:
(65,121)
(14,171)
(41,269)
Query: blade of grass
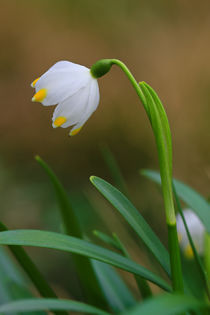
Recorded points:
(141,283)
(106,239)
(74,245)
(31,270)
(90,285)
(117,293)
(114,169)
(120,183)
(29,305)
(134,219)
(13,285)
(168,304)
(116,243)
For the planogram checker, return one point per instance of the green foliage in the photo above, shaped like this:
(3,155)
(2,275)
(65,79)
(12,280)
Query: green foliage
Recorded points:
(89,285)
(119,297)
(134,219)
(191,197)
(29,305)
(74,245)
(168,305)
(103,287)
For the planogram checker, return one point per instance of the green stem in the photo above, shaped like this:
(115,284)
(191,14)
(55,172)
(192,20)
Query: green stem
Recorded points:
(176,269)
(133,82)
(31,270)
(158,120)
(207,256)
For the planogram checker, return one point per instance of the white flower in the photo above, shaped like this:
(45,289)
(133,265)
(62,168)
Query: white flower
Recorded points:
(73,88)
(196,229)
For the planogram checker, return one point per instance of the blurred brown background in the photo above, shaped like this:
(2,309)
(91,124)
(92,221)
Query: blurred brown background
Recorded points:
(165,43)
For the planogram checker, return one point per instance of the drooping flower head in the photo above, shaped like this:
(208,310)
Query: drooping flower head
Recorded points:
(73,89)
(196,229)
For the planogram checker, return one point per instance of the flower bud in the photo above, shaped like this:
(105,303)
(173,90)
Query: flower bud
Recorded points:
(101,67)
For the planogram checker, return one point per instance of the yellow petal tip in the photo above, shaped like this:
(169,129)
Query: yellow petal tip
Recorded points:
(34,82)
(179,237)
(40,95)
(75,131)
(59,121)
(188,251)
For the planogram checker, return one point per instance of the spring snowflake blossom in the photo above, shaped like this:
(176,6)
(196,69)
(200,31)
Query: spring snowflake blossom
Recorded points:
(196,229)
(73,89)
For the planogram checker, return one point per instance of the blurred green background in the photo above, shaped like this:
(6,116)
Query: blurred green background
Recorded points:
(165,43)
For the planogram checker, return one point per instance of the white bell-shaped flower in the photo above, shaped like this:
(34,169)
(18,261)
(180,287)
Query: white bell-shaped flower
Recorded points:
(196,229)
(75,91)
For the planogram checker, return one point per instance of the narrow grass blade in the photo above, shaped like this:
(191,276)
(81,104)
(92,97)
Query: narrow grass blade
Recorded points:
(90,285)
(191,197)
(114,169)
(116,243)
(74,245)
(29,305)
(119,297)
(136,221)
(31,270)
(106,239)
(13,284)
(142,284)
(168,304)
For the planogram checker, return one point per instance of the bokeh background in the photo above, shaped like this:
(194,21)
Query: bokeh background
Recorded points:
(165,43)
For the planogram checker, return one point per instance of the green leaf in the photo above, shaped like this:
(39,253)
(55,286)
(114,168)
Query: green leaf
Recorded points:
(116,243)
(134,218)
(106,239)
(50,304)
(71,244)
(90,286)
(192,198)
(13,284)
(117,293)
(114,169)
(167,304)
(31,270)
(142,284)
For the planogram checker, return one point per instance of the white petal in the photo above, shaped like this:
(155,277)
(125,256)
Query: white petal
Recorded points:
(196,229)
(92,104)
(73,107)
(65,65)
(62,80)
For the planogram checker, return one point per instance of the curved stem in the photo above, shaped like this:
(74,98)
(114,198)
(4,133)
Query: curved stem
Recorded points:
(158,119)
(133,82)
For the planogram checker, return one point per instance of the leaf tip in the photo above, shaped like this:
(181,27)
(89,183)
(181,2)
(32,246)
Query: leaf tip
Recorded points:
(37,158)
(92,177)
(95,232)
